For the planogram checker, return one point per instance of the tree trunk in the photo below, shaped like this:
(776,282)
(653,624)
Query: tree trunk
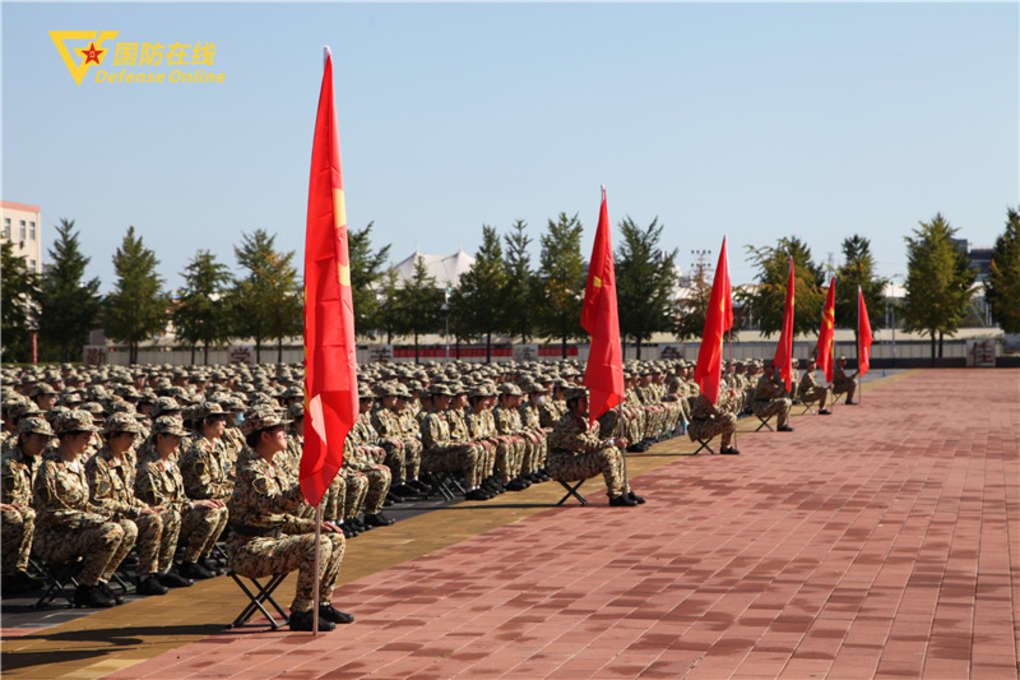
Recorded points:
(193,354)
(258,349)
(205,354)
(416,347)
(932,333)
(488,347)
(389,337)
(279,350)
(940,344)
(637,349)
(456,350)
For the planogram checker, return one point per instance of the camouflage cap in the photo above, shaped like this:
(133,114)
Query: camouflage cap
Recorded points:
(261,418)
(165,406)
(42,388)
(171,425)
(441,388)
(75,421)
(35,425)
(295,411)
(576,393)
(121,422)
(534,388)
(207,409)
(510,388)
(25,408)
(364,391)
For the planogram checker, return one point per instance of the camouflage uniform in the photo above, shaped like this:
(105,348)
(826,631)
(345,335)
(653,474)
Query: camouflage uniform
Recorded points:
(707,421)
(160,483)
(411,432)
(204,467)
(811,392)
(18,475)
(269,536)
(841,383)
(508,424)
(358,458)
(442,453)
(769,400)
(387,430)
(288,463)
(576,452)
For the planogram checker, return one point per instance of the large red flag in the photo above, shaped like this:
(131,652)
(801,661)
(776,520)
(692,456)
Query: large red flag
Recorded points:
(331,383)
(604,373)
(718,320)
(863,335)
(827,334)
(784,350)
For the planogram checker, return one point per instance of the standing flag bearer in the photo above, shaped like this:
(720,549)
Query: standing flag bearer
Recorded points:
(783,359)
(331,384)
(863,340)
(827,334)
(718,320)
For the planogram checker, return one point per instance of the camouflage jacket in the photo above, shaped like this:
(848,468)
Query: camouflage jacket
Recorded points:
(549,412)
(573,434)
(363,432)
(111,484)
(409,424)
(61,495)
(530,417)
(807,382)
(161,483)
(478,425)
(435,431)
(703,410)
(508,420)
(458,427)
(204,468)
(265,498)
(18,474)
(766,389)
(387,424)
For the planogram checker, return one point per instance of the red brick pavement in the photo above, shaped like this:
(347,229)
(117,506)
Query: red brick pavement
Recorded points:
(881,542)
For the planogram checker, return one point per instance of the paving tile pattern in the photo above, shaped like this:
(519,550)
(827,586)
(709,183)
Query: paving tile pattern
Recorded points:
(881,542)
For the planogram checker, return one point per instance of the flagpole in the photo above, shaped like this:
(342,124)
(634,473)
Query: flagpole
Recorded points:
(623,453)
(318,546)
(729,349)
(860,378)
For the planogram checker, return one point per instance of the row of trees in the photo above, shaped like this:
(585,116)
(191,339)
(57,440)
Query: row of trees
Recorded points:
(504,294)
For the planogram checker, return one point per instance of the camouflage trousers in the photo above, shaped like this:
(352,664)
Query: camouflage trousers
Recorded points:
(457,459)
(819,395)
(200,529)
(674,415)
(395,460)
(509,457)
(16,533)
(157,540)
(102,543)
(357,490)
(846,385)
(534,451)
(486,457)
(773,407)
(379,480)
(412,457)
(265,556)
(704,430)
(573,467)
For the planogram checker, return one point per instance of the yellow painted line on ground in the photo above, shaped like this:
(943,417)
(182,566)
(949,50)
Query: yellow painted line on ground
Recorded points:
(109,640)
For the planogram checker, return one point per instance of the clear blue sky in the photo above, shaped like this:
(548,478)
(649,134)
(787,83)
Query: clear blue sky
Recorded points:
(756,121)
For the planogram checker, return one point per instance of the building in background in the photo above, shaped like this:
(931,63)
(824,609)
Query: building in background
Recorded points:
(445,268)
(21,225)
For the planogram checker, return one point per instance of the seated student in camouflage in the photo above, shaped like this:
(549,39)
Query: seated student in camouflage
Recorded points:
(20,465)
(288,462)
(769,399)
(442,453)
(159,482)
(269,537)
(843,383)
(708,421)
(811,392)
(70,525)
(576,452)
(205,465)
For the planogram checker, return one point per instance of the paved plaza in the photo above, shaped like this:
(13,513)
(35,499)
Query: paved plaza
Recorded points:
(883,541)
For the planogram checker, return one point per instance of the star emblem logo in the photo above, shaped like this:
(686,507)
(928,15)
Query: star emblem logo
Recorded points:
(93,55)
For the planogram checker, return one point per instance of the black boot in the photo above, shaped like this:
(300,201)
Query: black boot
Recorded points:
(195,571)
(172,579)
(622,501)
(331,613)
(150,585)
(378,520)
(476,495)
(91,596)
(634,497)
(304,621)
(117,599)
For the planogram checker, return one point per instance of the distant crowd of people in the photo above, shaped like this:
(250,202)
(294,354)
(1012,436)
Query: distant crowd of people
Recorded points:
(175,474)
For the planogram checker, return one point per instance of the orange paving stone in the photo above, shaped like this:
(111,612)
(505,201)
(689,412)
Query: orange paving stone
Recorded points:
(881,542)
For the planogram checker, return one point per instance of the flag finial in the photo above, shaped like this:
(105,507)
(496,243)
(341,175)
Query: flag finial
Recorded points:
(326,54)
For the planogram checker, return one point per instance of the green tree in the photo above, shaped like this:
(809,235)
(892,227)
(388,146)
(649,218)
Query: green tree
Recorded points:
(69,307)
(645,279)
(766,301)
(1002,290)
(137,308)
(201,315)
(19,291)
(561,280)
(267,301)
(390,317)
(421,302)
(692,303)
(858,269)
(519,294)
(366,274)
(938,281)
(478,303)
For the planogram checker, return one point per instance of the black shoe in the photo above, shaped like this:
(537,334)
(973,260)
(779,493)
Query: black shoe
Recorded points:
(150,585)
(211,564)
(516,484)
(304,621)
(476,495)
(91,596)
(19,582)
(117,599)
(825,412)
(388,501)
(348,533)
(784,428)
(634,497)
(195,571)
(379,520)
(419,486)
(729,451)
(623,500)
(172,579)
(851,403)
(331,613)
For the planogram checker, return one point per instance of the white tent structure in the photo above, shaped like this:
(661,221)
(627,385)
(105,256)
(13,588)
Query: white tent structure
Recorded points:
(445,268)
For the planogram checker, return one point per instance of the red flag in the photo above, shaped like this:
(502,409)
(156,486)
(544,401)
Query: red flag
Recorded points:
(863,335)
(718,320)
(331,384)
(827,335)
(784,350)
(604,373)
